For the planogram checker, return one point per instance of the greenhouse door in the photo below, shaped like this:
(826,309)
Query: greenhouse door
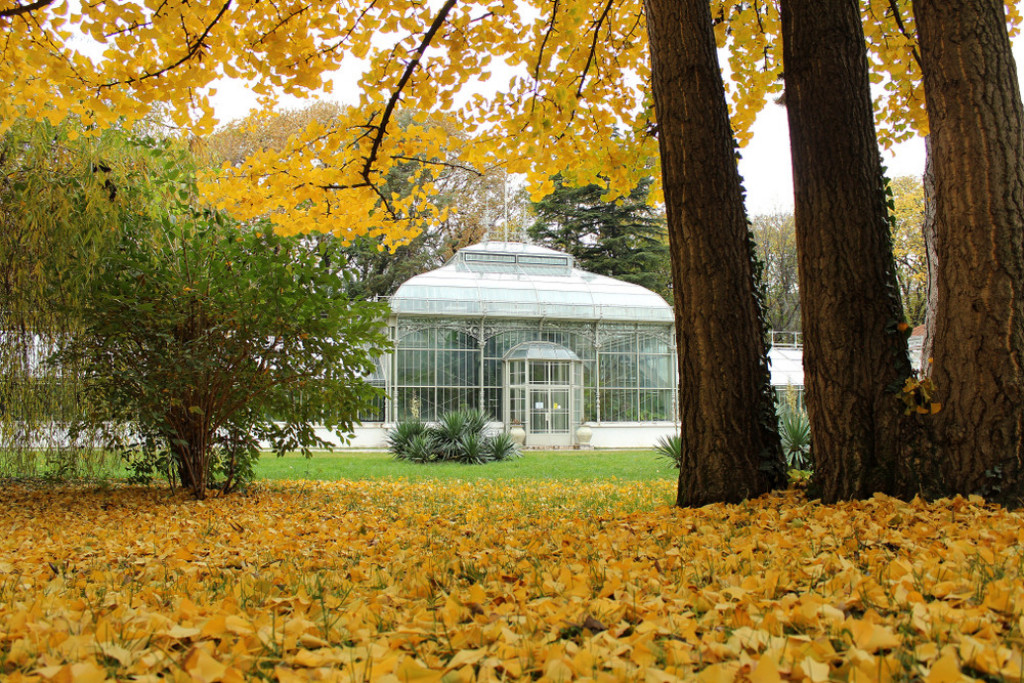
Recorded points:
(549,416)
(543,383)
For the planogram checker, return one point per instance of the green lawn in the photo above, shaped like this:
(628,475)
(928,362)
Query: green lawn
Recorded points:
(641,465)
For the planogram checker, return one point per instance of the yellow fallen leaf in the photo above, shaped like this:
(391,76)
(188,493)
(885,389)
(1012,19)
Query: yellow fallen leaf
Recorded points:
(765,671)
(203,668)
(945,670)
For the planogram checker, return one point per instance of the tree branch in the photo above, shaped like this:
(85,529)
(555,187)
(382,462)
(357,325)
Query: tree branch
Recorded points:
(193,49)
(593,46)
(903,29)
(25,9)
(438,22)
(543,43)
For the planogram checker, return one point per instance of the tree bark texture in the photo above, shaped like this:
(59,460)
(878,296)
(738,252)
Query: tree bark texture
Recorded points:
(855,357)
(976,125)
(931,257)
(730,440)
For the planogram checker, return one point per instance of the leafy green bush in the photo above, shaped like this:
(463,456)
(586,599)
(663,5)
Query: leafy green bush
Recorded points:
(421,448)
(205,337)
(472,449)
(459,436)
(670,448)
(448,433)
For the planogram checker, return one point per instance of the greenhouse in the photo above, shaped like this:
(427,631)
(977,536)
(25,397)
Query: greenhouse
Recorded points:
(569,357)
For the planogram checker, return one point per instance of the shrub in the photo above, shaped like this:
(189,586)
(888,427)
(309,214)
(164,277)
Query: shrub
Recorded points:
(459,436)
(795,433)
(207,337)
(448,433)
(670,448)
(421,448)
(472,449)
(398,438)
(502,447)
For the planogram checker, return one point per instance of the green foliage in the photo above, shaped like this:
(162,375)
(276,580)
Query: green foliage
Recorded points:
(63,197)
(670,448)
(403,433)
(624,239)
(448,433)
(421,448)
(459,436)
(795,432)
(205,338)
(502,447)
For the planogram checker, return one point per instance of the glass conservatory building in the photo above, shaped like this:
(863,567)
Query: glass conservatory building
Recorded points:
(522,333)
(539,344)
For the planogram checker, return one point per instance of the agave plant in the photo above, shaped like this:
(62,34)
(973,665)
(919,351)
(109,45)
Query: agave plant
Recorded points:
(795,433)
(448,433)
(476,421)
(422,449)
(502,447)
(399,437)
(472,449)
(670,448)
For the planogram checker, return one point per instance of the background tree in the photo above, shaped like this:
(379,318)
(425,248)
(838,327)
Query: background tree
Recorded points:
(909,248)
(977,142)
(775,236)
(624,238)
(62,197)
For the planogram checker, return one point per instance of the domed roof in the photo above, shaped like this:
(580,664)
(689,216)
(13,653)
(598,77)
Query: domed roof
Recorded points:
(517,280)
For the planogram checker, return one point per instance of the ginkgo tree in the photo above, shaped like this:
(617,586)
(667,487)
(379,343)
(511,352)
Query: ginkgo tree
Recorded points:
(599,87)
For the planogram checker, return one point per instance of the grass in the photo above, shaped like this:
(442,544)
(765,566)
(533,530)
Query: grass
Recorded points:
(588,466)
(637,465)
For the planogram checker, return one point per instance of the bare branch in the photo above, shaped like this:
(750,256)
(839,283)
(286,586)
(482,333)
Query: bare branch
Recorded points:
(543,43)
(446,164)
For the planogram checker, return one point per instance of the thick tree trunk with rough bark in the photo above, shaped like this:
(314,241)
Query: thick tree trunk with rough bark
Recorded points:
(977,129)
(931,256)
(730,440)
(855,357)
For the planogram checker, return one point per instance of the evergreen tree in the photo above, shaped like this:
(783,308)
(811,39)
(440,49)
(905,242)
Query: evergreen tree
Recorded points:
(624,239)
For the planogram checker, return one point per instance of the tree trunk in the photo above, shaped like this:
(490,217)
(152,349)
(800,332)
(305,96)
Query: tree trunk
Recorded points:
(931,257)
(730,443)
(855,357)
(976,125)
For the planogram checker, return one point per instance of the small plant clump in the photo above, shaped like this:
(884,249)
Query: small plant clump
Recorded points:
(795,433)
(670,448)
(459,436)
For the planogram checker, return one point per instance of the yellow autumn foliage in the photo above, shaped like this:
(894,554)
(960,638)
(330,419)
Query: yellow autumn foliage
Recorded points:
(578,100)
(396,581)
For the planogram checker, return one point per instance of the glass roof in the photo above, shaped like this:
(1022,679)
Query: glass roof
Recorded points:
(516,280)
(540,350)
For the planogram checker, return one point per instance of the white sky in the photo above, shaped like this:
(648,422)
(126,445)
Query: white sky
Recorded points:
(764,164)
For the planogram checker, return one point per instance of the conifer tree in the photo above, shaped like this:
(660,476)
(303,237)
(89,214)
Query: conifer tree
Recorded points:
(624,239)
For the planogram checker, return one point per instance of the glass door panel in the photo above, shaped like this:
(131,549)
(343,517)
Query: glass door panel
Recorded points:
(559,410)
(539,411)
